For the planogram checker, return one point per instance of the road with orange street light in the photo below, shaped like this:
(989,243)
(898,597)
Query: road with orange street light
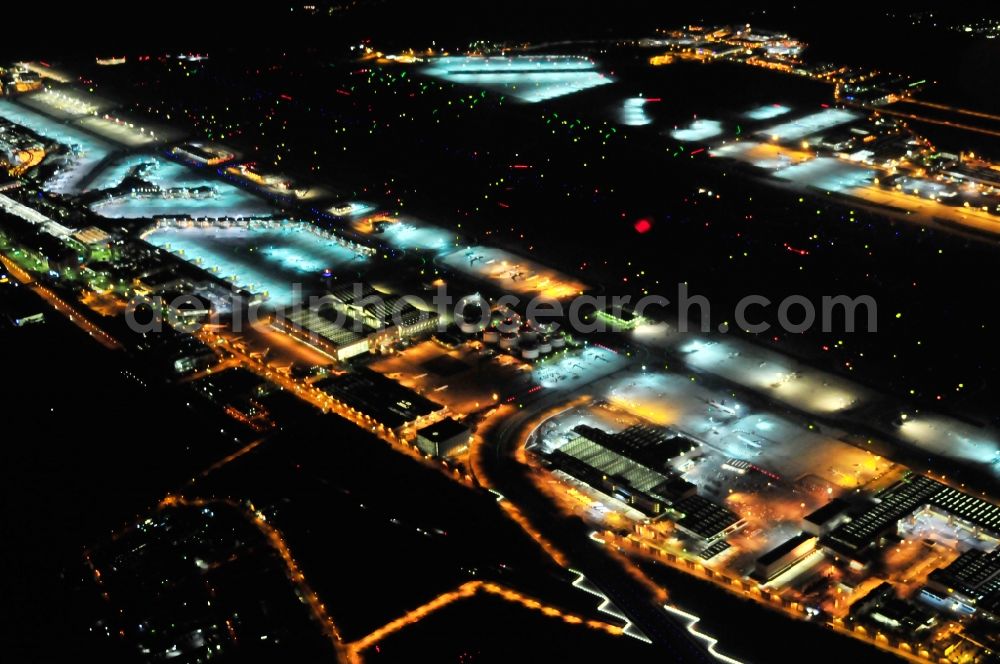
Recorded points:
(63,307)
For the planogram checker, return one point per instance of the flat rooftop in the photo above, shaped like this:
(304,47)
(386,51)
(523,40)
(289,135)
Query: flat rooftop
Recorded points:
(444,429)
(382,399)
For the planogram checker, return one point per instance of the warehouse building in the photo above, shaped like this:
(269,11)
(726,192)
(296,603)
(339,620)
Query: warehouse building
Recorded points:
(389,318)
(382,401)
(973,580)
(705,520)
(443,438)
(884,610)
(782,557)
(859,538)
(826,518)
(324,329)
(606,462)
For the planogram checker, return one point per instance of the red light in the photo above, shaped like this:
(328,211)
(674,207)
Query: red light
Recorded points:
(643,226)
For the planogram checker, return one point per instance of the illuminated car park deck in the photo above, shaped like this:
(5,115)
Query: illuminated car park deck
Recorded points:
(530,78)
(512,273)
(766,112)
(89,150)
(808,125)
(258,259)
(698,130)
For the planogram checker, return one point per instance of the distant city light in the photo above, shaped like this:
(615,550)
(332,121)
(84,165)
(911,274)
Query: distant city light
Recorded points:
(530,78)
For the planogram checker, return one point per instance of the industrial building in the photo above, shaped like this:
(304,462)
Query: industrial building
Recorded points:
(443,438)
(324,329)
(608,463)
(861,536)
(886,611)
(201,154)
(390,318)
(634,466)
(354,319)
(705,520)
(784,556)
(973,580)
(381,400)
(826,518)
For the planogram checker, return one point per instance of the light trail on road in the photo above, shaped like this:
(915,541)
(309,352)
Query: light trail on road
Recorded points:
(465,591)
(953,109)
(944,123)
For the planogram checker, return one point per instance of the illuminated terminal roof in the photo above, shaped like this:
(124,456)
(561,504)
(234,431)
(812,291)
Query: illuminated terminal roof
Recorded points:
(530,78)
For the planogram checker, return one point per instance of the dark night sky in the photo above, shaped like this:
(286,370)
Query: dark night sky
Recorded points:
(853,33)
